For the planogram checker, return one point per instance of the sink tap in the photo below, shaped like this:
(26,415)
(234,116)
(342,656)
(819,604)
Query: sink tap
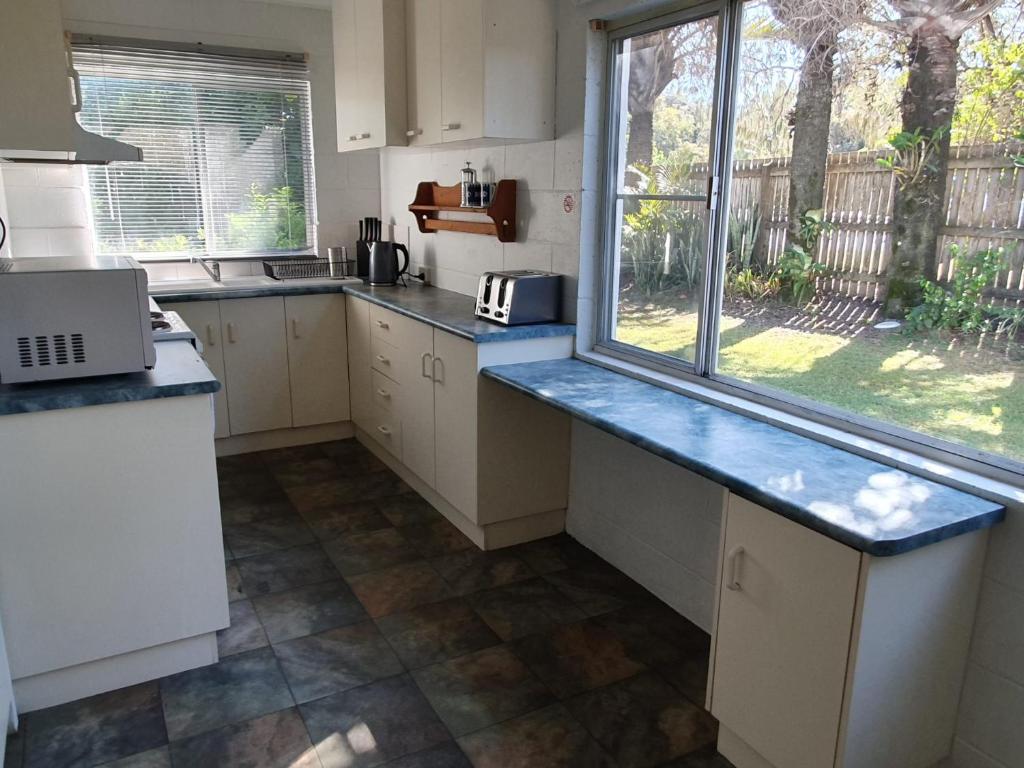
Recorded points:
(212,268)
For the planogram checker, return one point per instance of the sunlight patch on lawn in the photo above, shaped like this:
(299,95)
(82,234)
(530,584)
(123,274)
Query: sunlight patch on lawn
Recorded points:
(912,360)
(778,352)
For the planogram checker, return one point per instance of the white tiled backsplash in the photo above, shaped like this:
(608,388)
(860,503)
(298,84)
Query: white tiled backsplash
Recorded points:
(48,211)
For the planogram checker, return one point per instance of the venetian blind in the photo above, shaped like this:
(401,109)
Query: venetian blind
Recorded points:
(227,149)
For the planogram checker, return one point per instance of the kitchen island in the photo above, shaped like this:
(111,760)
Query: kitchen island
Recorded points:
(111,556)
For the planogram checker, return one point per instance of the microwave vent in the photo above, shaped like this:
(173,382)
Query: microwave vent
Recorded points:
(41,351)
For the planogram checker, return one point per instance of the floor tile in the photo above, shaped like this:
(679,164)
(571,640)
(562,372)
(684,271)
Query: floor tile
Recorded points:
(297,473)
(362,487)
(277,740)
(547,738)
(239,511)
(436,632)
(98,729)
(578,657)
(370,725)
(152,758)
(328,523)
(689,676)
(437,538)
(643,721)
(399,588)
(293,454)
(14,752)
(473,570)
(235,689)
(555,553)
(524,608)
(480,689)
(285,569)
(442,756)
(408,509)
(234,578)
(702,758)
(307,610)
(597,589)
(245,633)
(656,634)
(355,553)
(261,536)
(352,458)
(336,660)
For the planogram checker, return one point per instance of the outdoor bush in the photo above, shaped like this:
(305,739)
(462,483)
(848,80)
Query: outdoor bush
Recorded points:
(959,305)
(742,238)
(254,229)
(798,270)
(751,284)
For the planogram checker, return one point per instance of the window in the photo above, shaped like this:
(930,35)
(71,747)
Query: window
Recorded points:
(228,165)
(805,208)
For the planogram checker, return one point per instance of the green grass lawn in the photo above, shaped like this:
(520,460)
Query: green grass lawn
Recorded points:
(929,384)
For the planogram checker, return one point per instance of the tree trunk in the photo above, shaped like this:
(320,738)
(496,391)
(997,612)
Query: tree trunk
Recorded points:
(640,149)
(919,206)
(811,120)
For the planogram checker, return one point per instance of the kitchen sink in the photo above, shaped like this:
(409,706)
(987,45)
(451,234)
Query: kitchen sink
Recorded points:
(161,287)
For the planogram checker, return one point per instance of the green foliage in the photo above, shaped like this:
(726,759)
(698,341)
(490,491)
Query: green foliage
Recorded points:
(752,284)
(798,271)
(168,244)
(960,305)
(991,100)
(1018,160)
(742,238)
(914,154)
(274,221)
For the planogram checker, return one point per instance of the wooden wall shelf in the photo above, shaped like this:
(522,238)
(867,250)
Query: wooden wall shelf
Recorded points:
(432,199)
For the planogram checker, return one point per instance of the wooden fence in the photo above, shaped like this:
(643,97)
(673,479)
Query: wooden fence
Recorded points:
(984,209)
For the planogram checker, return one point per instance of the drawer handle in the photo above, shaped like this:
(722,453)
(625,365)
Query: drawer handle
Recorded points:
(209,335)
(414,132)
(384,430)
(295,328)
(358,136)
(231,333)
(451,126)
(734,557)
(383,360)
(435,377)
(385,395)
(423,364)
(382,325)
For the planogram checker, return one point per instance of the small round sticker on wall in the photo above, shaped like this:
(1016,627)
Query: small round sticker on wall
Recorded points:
(568,203)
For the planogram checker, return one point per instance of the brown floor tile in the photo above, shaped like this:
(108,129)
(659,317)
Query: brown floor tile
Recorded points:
(356,553)
(578,657)
(524,608)
(689,676)
(329,523)
(293,454)
(261,536)
(235,689)
(352,458)
(240,512)
(702,758)
(597,589)
(442,756)
(436,632)
(153,758)
(95,730)
(307,610)
(336,660)
(285,569)
(655,634)
(555,553)
(399,588)
(437,538)
(408,509)
(245,633)
(277,740)
(370,725)
(547,738)
(297,473)
(362,487)
(644,721)
(473,570)
(480,689)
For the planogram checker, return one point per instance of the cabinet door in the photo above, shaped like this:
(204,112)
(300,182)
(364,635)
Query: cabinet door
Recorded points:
(462,69)
(7,710)
(317,358)
(256,362)
(423,79)
(203,317)
(455,432)
(348,86)
(358,313)
(783,636)
(417,403)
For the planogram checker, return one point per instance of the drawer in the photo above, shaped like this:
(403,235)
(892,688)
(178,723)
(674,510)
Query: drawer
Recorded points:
(384,358)
(384,392)
(386,325)
(387,430)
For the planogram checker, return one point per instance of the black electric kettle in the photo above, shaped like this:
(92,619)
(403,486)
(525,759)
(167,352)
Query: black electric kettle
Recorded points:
(384,262)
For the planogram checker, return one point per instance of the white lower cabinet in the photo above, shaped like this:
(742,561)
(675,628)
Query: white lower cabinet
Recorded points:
(825,656)
(282,361)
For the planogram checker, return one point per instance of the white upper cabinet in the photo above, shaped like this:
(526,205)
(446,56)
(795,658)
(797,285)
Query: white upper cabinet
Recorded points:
(369,73)
(423,71)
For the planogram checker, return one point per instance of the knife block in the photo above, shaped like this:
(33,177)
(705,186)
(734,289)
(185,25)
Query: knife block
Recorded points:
(362,259)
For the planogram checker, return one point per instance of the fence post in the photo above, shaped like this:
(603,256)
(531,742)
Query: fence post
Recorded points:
(764,203)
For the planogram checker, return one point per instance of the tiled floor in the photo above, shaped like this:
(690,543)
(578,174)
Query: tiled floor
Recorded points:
(366,630)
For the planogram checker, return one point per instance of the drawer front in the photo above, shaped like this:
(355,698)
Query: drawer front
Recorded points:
(387,430)
(386,325)
(384,358)
(385,393)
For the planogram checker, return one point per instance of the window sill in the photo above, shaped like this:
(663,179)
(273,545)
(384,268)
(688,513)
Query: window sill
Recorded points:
(963,479)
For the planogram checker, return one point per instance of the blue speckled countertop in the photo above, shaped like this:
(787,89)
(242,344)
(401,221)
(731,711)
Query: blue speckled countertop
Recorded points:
(447,310)
(861,503)
(179,371)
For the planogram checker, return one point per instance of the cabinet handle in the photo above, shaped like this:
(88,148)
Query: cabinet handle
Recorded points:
(231,333)
(423,364)
(733,566)
(209,335)
(358,136)
(385,395)
(383,360)
(451,126)
(433,367)
(382,325)
(414,132)
(384,430)
(295,328)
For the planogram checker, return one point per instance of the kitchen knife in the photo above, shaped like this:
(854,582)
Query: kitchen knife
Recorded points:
(361,222)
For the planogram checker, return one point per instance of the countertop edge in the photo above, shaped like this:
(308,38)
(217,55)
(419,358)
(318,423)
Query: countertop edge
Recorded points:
(880,547)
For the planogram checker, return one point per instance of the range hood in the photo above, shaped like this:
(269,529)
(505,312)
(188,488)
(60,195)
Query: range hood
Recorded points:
(41,95)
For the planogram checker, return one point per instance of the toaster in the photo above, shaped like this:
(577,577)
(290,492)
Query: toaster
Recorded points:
(518,297)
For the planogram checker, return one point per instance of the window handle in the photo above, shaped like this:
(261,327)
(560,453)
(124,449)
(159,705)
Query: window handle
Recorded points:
(733,563)
(712,193)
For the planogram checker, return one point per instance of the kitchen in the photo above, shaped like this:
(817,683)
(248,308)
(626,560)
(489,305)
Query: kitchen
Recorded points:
(408,535)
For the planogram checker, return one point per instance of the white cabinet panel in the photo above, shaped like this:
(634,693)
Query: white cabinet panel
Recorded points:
(256,361)
(417,406)
(455,431)
(462,69)
(203,317)
(359,370)
(7,710)
(783,636)
(317,358)
(423,71)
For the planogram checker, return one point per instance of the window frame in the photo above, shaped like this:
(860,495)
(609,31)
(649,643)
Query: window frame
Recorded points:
(701,378)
